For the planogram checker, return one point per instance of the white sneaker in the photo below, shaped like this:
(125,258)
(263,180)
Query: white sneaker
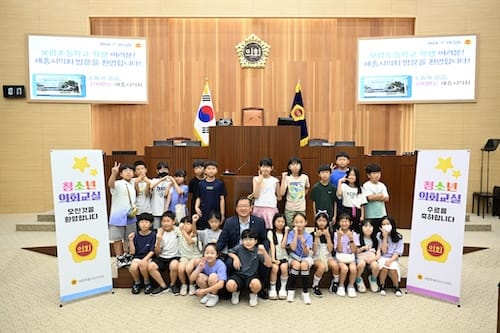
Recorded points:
(290,296)
(351,292)
(204,299)
(361,285)
(341,291)
(212,300)
(253,299)
(282,294)
(306,298)
(273,294)
(235,297)
(184,290)
(373,283)
(382,291)
(192,289)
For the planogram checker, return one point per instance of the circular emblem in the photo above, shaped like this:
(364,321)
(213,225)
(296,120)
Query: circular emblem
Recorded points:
(252,52)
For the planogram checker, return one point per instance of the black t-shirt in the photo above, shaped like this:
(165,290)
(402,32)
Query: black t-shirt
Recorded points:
(193,188)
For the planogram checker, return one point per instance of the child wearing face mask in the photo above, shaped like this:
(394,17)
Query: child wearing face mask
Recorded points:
(367,256)
(159,188)
(390,247)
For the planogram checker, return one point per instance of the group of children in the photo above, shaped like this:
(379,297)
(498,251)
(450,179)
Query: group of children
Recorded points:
(352,233)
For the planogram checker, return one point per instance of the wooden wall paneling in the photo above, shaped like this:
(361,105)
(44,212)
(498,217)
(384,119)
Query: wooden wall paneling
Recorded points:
(317,51)
(406,186)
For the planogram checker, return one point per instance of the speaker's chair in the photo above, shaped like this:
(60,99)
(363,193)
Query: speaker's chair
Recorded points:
(252,116)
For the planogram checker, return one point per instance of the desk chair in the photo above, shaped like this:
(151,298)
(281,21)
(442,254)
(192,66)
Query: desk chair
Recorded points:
(252,116)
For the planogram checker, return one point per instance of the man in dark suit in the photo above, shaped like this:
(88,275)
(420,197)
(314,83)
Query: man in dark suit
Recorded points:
(231,236)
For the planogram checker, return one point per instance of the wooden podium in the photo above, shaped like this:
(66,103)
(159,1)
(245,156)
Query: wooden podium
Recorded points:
(240,148)
(236,187)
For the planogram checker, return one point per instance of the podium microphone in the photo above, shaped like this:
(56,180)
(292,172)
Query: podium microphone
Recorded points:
(241,166)
(230,173)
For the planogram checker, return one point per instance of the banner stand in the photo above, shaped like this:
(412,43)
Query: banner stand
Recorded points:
(438,224)
(81,221)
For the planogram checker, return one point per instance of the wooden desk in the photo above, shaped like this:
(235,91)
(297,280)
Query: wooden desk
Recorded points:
(236,147)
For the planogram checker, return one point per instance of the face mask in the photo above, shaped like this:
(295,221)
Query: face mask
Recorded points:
(162,174)
(387,228)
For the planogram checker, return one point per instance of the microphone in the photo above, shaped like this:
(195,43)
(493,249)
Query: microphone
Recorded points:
(241,166)
(230,173)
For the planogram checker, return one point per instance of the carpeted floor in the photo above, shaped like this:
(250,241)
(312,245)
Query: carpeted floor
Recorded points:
(30,300)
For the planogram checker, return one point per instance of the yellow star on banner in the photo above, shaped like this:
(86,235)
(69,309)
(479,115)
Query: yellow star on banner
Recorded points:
(93,172)
(456,173)
(444,164)
(81,163)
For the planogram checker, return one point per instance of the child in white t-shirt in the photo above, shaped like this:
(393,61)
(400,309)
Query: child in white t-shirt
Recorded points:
(349,189)
(167,255)
(122,200)
(159,188)
(210,235)
(376,195)
(266,193)
(190,254)
(278,237)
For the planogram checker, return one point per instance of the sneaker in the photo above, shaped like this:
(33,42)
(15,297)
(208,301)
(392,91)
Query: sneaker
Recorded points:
(360,284)
(398,292)
(192,289)
(317,292)
(159,291)
(351,292)
(184,290)
(306,298)
(341,291)
(373,283)
(121,261)
(205,299)
(175,289)
(128,259)
(136,288)
(148,289)
(382,291)
(253,299)
(290,297)
(333,287)
(282,294)
(273,294)
(235,297)
(212,300)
